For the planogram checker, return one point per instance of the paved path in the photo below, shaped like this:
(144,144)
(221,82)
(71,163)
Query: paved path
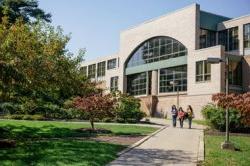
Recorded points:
(171,146)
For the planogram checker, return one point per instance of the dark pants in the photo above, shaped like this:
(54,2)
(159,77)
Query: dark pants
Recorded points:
(181,122)
(174,120)
(190,122)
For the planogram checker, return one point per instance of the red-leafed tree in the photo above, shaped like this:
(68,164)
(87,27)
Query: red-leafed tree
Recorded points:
(96,106)
(240,102)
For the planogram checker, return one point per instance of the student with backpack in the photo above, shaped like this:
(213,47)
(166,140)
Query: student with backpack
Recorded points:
(174,113)
(181,116)
(190,115)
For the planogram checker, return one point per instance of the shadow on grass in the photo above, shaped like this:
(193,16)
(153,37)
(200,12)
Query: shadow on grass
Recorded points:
(60,152)
(49,131)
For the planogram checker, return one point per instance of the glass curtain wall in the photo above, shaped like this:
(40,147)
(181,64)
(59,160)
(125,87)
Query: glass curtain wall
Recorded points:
(175,74)
(229,38)
(207,38)
(156,49)
(137,84)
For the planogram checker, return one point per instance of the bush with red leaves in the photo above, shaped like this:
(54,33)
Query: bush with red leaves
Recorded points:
(96,106)
(240,102)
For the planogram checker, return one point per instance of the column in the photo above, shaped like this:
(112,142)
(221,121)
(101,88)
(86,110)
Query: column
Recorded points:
(154,81)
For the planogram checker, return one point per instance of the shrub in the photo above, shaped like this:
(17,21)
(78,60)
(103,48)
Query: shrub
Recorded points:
(216,118)
(240,102)
(9,108)
(24,117)
(129,108)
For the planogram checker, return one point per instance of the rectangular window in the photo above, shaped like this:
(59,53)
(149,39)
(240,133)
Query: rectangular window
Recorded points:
(235,73)
(233,39)
(114,84)
(175,74)
(223,38)
(207,38)
(111,64)
(92,71)
(247,35)
(203,71)
(101,67)
(229,38)
(84,70)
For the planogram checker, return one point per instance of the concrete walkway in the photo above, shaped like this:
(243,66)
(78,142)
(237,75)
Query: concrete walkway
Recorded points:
(171,146)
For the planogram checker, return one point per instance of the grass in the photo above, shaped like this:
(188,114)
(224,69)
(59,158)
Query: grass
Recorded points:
(22,129)
(201,122)
(35,145)
(214,155)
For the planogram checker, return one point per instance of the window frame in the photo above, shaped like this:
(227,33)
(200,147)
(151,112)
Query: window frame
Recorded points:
(248,36)
(111,64)
(101,69)
(203,74)
(114,83)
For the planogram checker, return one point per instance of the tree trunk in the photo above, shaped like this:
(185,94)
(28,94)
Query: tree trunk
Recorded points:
(92,124)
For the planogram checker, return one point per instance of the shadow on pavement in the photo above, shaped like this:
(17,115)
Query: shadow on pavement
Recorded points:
(154,157)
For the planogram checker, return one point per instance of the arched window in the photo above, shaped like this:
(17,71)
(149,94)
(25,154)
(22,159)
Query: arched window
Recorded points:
(156,49)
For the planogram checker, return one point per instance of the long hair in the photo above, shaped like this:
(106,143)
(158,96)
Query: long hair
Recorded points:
(173,107)
(180,109)
(191,109)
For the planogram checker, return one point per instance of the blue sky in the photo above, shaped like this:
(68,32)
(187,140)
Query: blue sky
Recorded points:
(96,24)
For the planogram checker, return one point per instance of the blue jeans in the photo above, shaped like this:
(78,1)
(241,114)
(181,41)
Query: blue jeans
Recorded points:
(174,120)
(181,122)
(190,122)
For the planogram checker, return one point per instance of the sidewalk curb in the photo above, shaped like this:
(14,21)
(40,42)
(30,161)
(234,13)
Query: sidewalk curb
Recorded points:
(138,143)
(201,148)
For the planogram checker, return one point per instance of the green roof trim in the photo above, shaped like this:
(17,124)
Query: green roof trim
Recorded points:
(209,21)
(182,60)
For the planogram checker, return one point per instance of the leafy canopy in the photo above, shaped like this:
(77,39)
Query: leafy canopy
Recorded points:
(28,10)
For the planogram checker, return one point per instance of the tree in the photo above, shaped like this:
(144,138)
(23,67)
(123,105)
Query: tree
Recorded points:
(37,55)
(25,9)
(96,106)
(240,102)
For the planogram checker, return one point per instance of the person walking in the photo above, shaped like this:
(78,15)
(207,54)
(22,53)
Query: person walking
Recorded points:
(181,115)
(190,115)
(174,113)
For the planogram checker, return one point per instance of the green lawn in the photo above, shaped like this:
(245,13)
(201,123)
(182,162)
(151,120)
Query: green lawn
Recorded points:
(19,129)
(35,146)
(214,155)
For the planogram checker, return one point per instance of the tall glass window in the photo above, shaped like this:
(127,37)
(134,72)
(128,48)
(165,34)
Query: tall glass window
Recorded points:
(229,38)
(207,38)
(84,70)
(111,63)
(235,73)
(175,74)
(156,49)
(92,71)
(247,35)
(101,67)
(114,83)
(203,71)
(233,39)
(137,84)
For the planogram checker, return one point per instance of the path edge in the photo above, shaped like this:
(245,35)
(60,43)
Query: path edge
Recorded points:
(138,143)
(201,149)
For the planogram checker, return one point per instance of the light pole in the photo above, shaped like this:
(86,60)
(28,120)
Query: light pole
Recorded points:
(226,144)
(174,83)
